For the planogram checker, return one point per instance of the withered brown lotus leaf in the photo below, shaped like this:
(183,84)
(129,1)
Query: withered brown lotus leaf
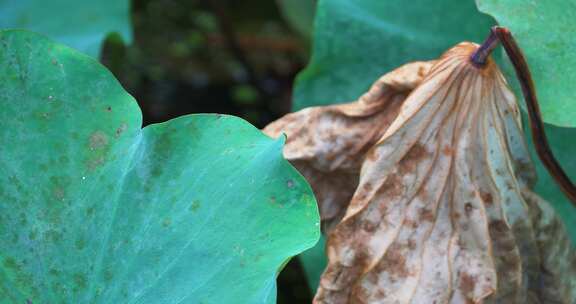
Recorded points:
(435,180)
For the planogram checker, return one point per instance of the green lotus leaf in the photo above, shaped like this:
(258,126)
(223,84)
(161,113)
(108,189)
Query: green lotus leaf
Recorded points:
(94,209)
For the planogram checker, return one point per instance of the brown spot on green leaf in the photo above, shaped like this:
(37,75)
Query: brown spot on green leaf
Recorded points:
(98,140)
(194,206)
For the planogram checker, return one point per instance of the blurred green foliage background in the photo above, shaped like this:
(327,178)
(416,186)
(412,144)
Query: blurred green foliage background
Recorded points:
(232,57)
